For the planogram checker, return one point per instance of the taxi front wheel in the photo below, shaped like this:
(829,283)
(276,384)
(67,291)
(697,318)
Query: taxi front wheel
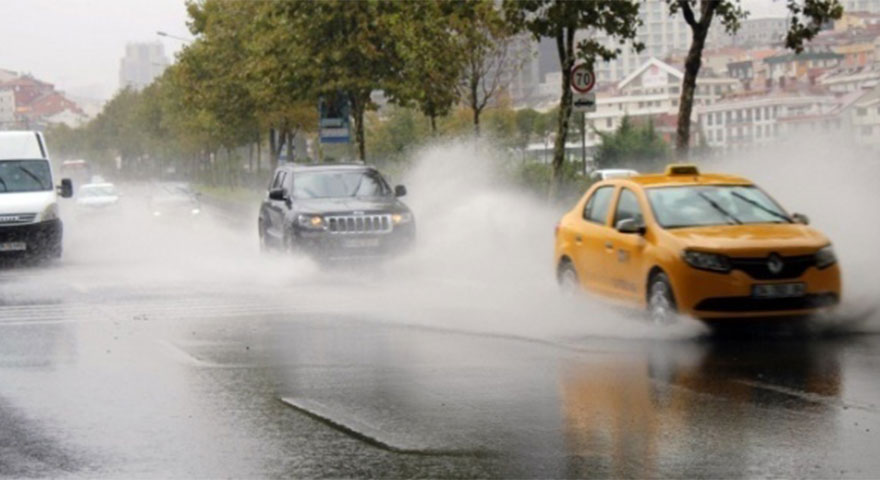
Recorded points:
(661,301)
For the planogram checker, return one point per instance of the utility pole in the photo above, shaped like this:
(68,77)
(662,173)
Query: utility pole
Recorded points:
(584,140)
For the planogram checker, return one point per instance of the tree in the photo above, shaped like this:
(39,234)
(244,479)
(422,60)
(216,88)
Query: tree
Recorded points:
(490,53)
(632,146)
(807,18)
(343,47)
(431,56)
(560,20)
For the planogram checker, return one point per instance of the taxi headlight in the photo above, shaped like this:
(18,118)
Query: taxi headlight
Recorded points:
(706,261)
(313,222)
(825,257)
(402,217)
(50,213)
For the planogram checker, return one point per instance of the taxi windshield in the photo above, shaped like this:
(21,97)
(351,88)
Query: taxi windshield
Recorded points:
(707,205)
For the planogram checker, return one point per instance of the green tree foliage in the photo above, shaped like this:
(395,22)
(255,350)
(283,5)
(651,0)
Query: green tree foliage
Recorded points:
(806,19)
(634,146)
(560,20)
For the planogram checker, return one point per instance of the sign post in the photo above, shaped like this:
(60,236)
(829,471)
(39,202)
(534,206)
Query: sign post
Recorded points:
(333,126)
(583,100)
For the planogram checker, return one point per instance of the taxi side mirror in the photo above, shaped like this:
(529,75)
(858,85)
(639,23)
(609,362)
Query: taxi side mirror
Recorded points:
(800,218)
(630,226)
(399,191)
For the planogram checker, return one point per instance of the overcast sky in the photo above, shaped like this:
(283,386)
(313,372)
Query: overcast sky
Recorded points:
(77,44)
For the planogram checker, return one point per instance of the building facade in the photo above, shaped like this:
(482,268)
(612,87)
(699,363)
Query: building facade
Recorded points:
(142,63)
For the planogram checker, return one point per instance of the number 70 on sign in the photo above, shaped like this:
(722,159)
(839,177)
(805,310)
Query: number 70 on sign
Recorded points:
(582,79)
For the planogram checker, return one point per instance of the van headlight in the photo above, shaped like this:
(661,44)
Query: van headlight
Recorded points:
(706,261)
(49,213)
(825,257)
(311,222)
(402,217)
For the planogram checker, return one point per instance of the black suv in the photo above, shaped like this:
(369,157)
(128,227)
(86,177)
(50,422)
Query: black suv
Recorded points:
(334,210)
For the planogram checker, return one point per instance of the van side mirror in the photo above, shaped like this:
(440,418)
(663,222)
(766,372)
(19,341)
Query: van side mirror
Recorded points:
(800,218)
(630,225)
(399,191)
(66,188)
(277,194)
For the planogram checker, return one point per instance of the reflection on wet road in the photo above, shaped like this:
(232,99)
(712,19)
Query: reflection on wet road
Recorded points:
(177,351)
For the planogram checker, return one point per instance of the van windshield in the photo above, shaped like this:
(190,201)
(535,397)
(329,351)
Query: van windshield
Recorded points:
(25,176)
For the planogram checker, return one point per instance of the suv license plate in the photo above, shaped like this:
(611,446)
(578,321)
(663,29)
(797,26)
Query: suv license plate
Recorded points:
(12,246)
(361,243)
(779,290)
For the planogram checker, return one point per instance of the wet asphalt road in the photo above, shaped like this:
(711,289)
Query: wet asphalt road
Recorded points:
(173,349)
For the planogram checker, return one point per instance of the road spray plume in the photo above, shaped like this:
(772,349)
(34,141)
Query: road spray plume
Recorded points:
(836,186)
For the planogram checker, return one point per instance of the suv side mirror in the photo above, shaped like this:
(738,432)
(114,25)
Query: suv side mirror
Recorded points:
(277,194)
(630,225)
(800,218)
(66,188)
(399,191)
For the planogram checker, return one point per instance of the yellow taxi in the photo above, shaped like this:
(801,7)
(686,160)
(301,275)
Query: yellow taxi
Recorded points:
(706,245)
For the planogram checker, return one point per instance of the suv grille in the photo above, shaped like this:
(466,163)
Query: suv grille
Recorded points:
(17,218)
(359,223)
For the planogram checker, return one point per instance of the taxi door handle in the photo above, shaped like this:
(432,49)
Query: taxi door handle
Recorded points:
(577,239)
(609,246)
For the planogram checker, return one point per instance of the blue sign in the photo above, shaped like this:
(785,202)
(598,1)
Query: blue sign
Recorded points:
(334,125)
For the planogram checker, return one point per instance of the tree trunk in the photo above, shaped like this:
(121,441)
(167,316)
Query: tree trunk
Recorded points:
(272,148)
(259,154)
(290,153)
(565,49)
(475,100)
(692,63)
(433,117)
(358,105)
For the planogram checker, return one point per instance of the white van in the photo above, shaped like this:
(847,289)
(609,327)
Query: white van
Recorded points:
(29,221)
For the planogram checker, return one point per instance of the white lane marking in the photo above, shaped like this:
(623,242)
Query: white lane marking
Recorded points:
(185,357)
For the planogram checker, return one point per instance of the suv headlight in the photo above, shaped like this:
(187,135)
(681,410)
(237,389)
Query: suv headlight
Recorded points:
(50,213)
(825,257)
(311,222)
(706,261)
(402,217)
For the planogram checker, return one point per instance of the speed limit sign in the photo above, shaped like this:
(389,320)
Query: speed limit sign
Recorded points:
(582,79)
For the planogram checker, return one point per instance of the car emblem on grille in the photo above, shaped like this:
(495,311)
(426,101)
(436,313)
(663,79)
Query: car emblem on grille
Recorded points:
(774,264)
(9,218)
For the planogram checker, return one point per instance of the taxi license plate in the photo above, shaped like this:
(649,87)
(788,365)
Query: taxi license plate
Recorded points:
(12,246)
(779,290)
(361,243)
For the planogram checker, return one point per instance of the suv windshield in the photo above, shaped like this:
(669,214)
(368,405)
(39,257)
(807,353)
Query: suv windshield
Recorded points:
(25,176)
(340,184)
(704,205)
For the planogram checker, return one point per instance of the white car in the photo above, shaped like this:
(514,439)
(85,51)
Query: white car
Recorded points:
(607,173)
(97,195)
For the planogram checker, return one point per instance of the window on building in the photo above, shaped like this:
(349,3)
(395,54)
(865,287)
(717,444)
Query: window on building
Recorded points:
(709,119)
(861,111)
(739,115)
(757,114)
(608,123)
(729,116)
(718,118)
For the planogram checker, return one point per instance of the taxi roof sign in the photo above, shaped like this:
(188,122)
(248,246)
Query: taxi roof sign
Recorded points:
(682,169)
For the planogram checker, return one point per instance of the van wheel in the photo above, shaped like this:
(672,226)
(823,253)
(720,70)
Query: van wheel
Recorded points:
(568,280)
(661,301)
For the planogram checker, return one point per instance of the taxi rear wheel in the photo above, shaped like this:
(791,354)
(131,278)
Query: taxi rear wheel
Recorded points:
(567,277)
(661,301)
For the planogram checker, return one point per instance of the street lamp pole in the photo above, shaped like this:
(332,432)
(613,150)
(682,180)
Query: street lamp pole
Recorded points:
(175,37)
